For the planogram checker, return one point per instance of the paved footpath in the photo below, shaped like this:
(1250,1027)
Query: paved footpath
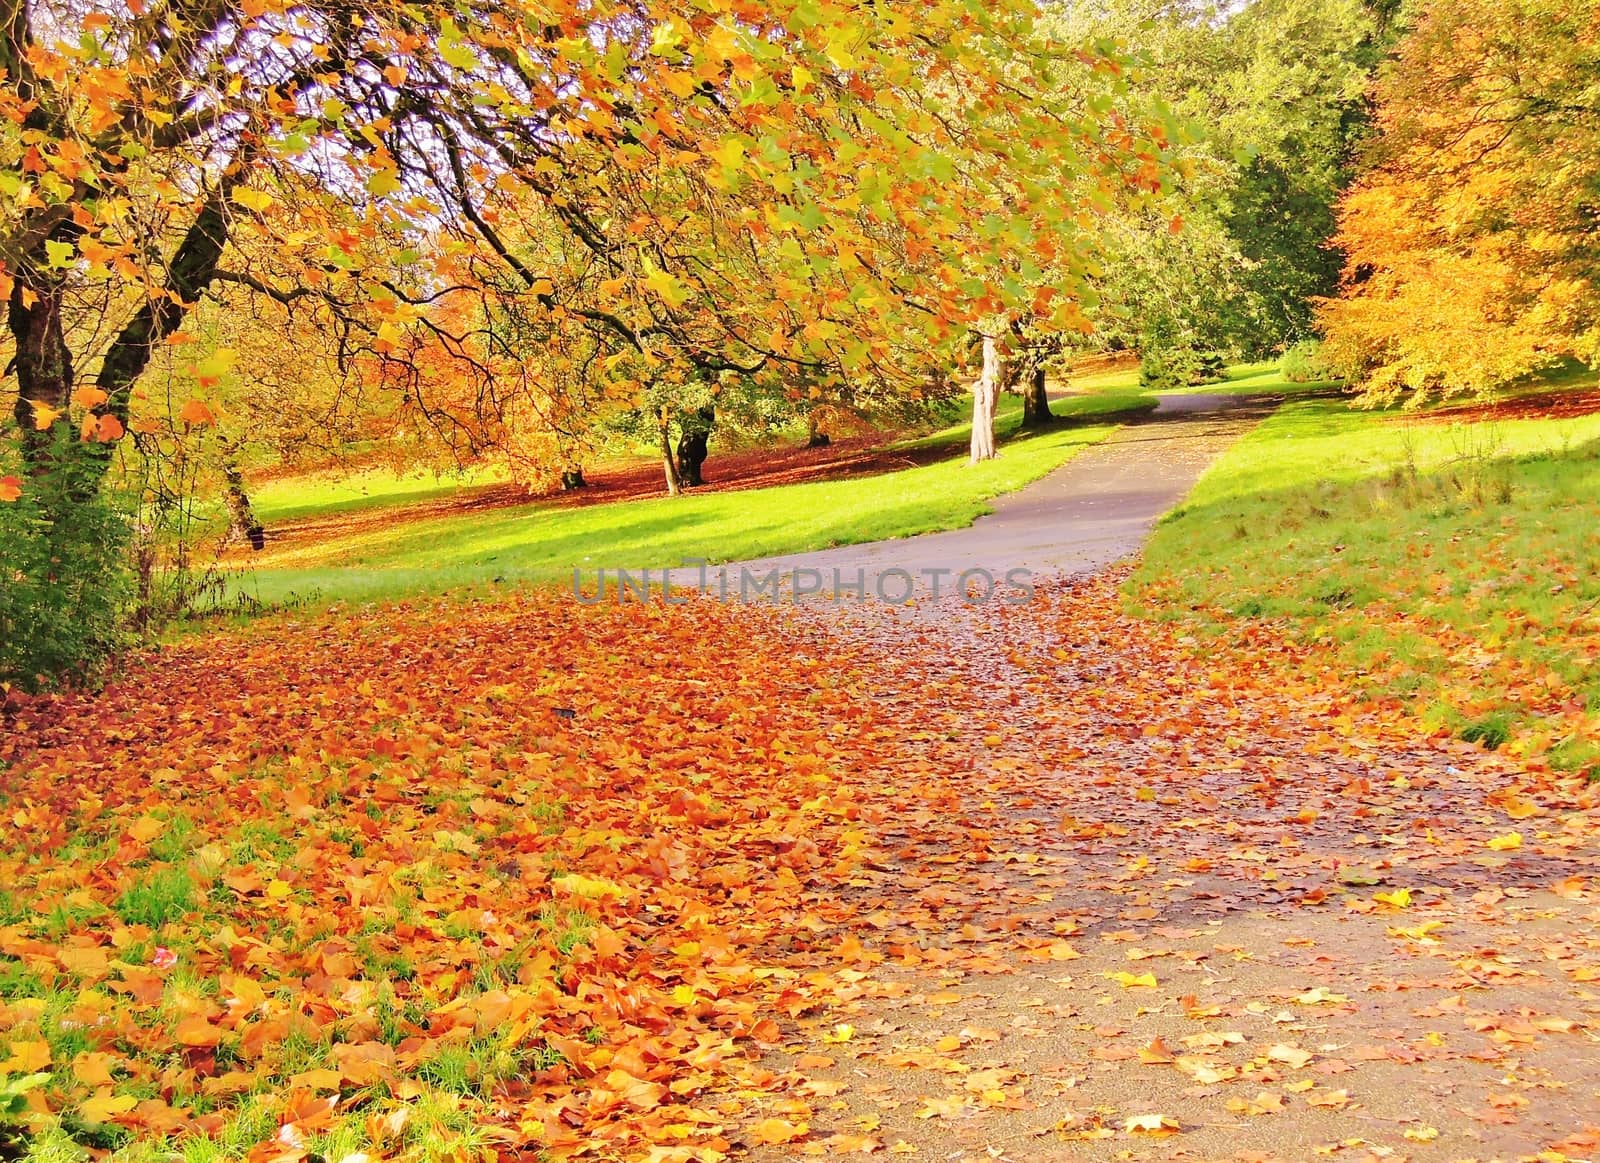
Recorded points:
(1137,902)
(1094,510)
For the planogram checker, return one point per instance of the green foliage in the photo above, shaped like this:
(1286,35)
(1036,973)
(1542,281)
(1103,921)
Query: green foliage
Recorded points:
(65,579)
(1162,368)
(1280,86)
(1304,363)
(13,1103)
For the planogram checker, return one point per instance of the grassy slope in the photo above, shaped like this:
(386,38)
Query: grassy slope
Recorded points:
(1450,565)
(541,542)
(324,493)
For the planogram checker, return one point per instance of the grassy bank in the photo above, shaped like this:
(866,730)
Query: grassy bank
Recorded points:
(389,555)
(1447,561)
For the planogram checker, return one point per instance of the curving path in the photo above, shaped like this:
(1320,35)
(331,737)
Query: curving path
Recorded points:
(1093,511)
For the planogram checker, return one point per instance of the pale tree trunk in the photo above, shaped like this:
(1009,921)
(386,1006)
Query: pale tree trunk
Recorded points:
(985,391)
(242,523)
(669,464)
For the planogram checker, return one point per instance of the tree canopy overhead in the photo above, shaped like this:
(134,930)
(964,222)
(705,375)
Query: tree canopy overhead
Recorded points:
(722,187)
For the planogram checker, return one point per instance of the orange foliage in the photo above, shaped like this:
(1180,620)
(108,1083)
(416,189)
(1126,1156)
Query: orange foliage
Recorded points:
(1468,245)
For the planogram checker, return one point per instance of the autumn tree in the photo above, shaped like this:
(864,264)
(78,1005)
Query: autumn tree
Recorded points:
(739,187)
(1471,244)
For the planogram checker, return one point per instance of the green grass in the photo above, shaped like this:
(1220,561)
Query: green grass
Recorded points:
(544,542)
(162,895)
(325,493)
(1449,565)
(1259,379)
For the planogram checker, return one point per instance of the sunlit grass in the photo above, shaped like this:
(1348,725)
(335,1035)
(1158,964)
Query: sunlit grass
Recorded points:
(376,559)
(1450,565)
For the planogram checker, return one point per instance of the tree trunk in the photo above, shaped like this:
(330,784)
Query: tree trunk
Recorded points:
(668,464)
(985,391)
(815,436)
(43,364)
(572,478)
(692,446)
(1036,402)
(242,523)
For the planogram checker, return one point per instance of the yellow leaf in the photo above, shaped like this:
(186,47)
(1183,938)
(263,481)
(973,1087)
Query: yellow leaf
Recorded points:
(1291,1056)
(1321,995)
(1061,951)
(195,1030)
(147,828)
(1132,981)
(43,415)
(105,1106)
(256,200)
(1156,1053)
(1521,808)
(1507,843)
(1422,1134)
(667,286)
(594,887)
(91,1069)
(1422,932)
(1151,1125)
(636,1092)
(1400,898)
(317,1079)
(730,154)
(26,1057)
(382,182)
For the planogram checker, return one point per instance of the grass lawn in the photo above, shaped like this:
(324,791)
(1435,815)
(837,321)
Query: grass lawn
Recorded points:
(323,493)
(1259,379)
(376,559)
(1448,565)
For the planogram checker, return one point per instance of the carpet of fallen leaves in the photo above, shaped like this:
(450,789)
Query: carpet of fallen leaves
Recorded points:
(655,882)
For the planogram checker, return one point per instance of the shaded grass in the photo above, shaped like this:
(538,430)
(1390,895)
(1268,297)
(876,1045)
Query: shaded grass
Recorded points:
(544,542)
(1448,566)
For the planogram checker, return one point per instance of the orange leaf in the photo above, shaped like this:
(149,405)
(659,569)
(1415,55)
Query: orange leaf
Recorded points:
(771,1132)
(196,1030)
(195,412)
(43,415)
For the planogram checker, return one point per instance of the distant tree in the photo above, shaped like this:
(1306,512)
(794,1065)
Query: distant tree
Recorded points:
(1279,87)
(1471,245)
